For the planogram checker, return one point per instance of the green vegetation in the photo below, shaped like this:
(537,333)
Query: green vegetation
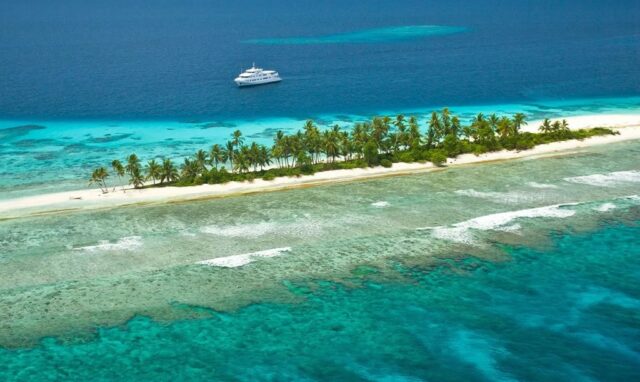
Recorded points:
(381,141)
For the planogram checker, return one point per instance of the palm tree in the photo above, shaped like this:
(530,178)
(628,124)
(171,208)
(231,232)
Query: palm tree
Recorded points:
(519,120)
(168,172)
(201,161)
(312,140)
(118,168)
(456,128)
(380,129)
(414,133)
(237,138)
(401,136)
(504,127)
(346,146)
(242,163)
(136,178)
(133,168)
(215,155)
(254,156)
(264,157)
(229,151)
(132,162)
(546,128)
(154,170)
(564,125)
(99,177)
(493,122)
(190,169)
(331,145)
(446,121)
(435,129)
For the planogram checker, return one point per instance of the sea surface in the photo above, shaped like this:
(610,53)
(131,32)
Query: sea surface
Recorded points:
(86,82)
(526,270)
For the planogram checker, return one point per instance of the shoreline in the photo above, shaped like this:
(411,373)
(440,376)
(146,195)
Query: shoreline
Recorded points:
(89,199)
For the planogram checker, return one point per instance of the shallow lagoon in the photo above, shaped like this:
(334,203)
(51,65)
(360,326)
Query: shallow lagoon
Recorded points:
(65,274)
(57,155)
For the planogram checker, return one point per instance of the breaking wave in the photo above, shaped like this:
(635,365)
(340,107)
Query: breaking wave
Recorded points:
(605,207)
(243,259)
(611,179)
(128,243)
(462,232)
(497,197)
(241,230)
(541,185)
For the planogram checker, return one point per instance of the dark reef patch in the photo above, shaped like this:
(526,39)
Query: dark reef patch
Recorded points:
(18,131)
(75,148)
(266,133)
(212,125)
(47,155)
(109,138)
(35,142)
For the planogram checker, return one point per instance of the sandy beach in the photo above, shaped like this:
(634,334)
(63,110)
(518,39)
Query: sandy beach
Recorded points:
(628,125)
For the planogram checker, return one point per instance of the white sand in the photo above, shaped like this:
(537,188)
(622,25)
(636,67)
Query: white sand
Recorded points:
(627,125)
(589,121)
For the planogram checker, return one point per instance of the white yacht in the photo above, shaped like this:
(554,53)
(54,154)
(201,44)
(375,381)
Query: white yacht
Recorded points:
(257,76)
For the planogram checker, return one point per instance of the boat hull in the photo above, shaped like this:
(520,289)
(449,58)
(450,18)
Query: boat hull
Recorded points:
(242,83)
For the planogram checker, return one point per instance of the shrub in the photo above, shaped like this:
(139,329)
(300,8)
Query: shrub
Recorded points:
(269,176)
(307,169)
(348,165)
(524,144)
(479,149)
(371,153)
(438,157)
(386,163)
(466,147)
(452,145)
(406,157)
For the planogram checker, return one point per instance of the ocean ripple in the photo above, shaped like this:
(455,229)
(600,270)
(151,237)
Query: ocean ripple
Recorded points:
(389,34)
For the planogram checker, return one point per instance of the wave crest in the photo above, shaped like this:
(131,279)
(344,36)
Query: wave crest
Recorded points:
(128,243)
(462,232)
(243,259)
(611,179)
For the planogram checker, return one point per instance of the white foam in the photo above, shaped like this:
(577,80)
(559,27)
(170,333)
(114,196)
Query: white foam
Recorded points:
(128,243)
(307,226)
(461,232)
(240,230)
(605,207)
(380,204)
(510,228)
(498,197)
(541,185)
(611,179)
(243,259)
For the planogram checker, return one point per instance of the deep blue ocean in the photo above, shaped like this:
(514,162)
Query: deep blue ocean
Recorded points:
(176,60)
(569,312)
(84,82)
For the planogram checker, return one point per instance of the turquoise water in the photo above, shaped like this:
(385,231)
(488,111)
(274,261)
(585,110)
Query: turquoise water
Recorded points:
(523,270)
(568,312)
(388,34)
(526,270)
(43,156)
